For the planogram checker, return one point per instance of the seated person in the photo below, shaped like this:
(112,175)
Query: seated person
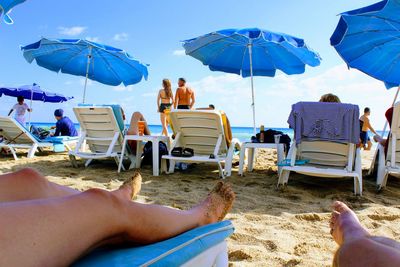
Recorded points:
(330,98)
(379,139)
(31,220)
(134,129)
(365,125)
(64,126)
(357,247)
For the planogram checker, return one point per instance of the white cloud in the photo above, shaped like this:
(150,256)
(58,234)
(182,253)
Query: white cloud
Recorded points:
(274,96)
(180,52)
(71,31)
(123,36)
(82,82)
(93,39)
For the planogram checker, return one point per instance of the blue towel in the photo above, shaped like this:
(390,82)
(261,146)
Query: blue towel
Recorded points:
(172,252)
(334,122)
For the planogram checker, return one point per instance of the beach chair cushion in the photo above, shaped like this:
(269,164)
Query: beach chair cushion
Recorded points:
(172,252)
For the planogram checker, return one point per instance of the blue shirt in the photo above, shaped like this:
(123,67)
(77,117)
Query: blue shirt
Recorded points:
(65,127)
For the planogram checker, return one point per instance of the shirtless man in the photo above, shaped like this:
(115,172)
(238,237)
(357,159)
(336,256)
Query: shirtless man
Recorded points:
(184,96)
(356,246)
(365,125)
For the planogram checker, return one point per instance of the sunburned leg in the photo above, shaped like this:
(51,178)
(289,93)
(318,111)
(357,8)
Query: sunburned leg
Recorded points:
(27,184)
(356,246)
(87,219)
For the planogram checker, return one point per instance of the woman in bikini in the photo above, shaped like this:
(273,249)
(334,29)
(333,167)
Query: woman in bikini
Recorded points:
(165,99)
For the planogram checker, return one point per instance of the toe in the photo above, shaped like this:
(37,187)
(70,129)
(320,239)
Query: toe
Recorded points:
(333,220)
(340,206)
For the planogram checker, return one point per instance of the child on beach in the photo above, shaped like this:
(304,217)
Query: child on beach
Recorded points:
(20,110)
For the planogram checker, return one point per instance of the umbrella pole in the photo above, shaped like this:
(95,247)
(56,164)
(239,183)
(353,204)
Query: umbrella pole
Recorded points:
(394,102)
(87,73)
(250,47)
(29,118)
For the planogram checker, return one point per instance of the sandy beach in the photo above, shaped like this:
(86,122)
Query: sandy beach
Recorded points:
(273,227)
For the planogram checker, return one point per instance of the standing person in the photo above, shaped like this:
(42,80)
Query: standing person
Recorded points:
(20,110)
(64,125)
(184,97)
(364,127)
(165,99)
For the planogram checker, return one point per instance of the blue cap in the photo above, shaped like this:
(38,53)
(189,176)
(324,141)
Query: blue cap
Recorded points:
(58,112)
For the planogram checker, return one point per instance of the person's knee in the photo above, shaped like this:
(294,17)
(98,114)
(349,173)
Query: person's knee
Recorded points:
(103,197)
(30,175)
(137,115)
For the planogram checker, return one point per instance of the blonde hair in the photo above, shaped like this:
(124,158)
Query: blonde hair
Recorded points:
(167,87)
(330,98)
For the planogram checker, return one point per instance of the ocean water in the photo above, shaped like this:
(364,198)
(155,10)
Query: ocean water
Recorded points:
(241,133)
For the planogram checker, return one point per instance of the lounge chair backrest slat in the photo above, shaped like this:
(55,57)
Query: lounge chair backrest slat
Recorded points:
(199,130)
(322,153)
(99,122)
(12,131)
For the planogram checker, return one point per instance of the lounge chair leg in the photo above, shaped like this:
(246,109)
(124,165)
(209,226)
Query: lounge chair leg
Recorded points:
(116,158)
(283,177)
(31,152)
(221,171)
(72,159)
(163,166)
(14,153)
(357,186)
(171,166)
(88,162)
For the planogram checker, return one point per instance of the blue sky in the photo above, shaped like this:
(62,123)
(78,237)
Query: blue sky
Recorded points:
(151,31)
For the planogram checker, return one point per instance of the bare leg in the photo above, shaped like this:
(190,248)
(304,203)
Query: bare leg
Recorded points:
(356,246)
(89,218)
(369,146)
(28,184)
(134,130)
(163,118)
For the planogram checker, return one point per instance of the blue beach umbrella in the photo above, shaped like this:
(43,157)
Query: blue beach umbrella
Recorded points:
(368,39)
(5,9)
(252,52)
(33,93)
(98,62)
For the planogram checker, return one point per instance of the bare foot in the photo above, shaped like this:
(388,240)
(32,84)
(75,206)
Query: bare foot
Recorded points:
(345,225)
(131,186)
(217,204)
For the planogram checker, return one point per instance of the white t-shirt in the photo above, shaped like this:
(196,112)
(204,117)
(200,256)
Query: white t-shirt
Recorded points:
(20,110)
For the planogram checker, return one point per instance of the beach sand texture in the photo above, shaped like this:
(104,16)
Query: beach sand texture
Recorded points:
(273,228)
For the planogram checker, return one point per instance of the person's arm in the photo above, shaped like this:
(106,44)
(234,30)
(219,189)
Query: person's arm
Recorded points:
(176,98)
(58,130)
(11,111)
(158,101)
(366,120)
(193,99)
(172,99)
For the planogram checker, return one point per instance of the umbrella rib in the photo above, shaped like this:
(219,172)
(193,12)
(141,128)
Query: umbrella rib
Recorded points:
(226,38)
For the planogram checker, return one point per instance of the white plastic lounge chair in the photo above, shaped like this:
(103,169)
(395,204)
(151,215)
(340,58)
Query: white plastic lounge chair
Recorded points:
(17,136)
(325,159)
(390,164)
(203,131)
(102,129)
(203,246)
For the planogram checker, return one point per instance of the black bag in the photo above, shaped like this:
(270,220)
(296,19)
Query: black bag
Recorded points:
(40,132)
(148,153)
(269,137)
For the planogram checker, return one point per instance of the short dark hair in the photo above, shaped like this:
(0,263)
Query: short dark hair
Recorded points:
(366,110)
(20,98)
(182,80)
(211,106)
